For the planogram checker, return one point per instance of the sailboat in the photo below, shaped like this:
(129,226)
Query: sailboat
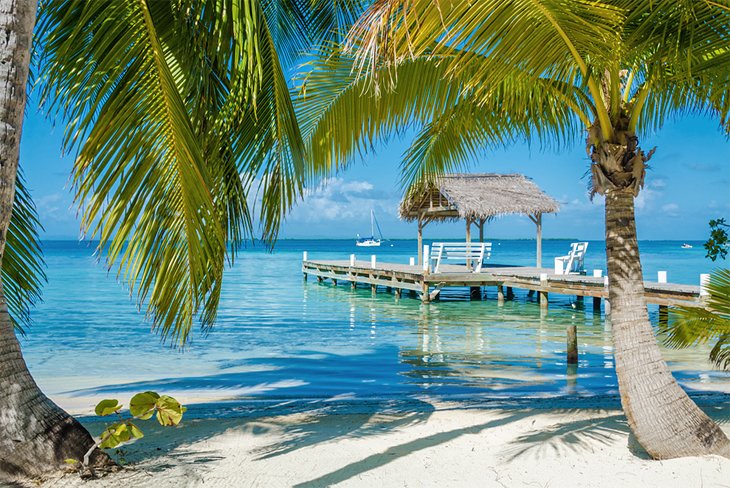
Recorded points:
(370,241)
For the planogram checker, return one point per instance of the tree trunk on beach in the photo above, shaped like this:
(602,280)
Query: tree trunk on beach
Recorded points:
(666,422)
(36,436)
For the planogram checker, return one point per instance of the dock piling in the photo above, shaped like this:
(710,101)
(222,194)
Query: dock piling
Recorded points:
(500,295)
(572,343)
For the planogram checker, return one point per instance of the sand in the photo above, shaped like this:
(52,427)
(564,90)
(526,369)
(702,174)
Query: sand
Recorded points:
(439,445)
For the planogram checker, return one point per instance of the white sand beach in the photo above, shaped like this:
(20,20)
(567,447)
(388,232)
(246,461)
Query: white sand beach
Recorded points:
(447,446)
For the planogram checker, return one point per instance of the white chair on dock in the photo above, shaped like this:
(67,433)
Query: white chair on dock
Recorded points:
(572,263)
(470,253)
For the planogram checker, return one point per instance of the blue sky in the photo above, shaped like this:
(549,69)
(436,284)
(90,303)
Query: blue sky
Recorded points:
(688,184)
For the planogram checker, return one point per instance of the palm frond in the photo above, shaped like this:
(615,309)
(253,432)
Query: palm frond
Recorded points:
(690,326)
(23,267)
(140,173)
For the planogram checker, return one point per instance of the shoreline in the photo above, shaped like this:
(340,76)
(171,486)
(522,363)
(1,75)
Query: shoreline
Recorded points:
(231,407)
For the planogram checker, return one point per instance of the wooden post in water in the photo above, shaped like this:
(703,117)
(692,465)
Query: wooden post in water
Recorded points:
(397,292)
(334,282)
(663,314)
(304,258)
(572,343)
(510,293)
(425,297)
(500,295)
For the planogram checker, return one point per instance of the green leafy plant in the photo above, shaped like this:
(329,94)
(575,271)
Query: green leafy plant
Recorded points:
(716,245)
(692,325)
(143,406)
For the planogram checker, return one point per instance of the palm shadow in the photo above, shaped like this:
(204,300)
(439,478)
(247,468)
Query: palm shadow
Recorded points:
(395,452)
(575,436)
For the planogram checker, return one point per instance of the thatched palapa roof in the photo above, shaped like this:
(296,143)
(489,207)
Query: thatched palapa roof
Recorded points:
(477,197)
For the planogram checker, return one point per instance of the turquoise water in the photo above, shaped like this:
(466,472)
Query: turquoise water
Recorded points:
(279,338)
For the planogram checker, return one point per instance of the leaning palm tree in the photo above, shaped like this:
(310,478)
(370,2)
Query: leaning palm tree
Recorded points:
(177,111)
(477,75)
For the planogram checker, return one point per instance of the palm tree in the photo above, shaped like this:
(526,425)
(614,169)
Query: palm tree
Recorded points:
(482,74)
(176,110)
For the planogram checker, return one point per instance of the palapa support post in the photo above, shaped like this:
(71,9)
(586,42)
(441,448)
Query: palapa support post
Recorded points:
(398,292)
(373,289)
(510,293)
(537,220)
(420,240)
(353,284)
(468,240)
(500,295)
(572,343)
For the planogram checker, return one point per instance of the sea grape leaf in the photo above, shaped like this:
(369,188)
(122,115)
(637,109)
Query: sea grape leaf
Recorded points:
(142,405)
(169,411)
(134,431)
(114,435)
(107,407)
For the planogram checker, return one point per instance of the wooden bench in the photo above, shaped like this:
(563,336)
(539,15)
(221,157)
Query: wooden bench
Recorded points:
(470,253)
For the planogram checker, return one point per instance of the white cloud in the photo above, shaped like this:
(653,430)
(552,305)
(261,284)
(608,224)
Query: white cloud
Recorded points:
(337,199)
(671,210)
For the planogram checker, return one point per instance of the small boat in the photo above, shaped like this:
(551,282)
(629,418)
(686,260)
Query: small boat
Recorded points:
(686,246)
(370,241)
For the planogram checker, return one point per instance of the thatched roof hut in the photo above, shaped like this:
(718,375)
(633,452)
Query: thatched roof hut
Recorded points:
(477,198)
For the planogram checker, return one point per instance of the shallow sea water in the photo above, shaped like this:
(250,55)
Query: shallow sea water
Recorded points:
(279,338)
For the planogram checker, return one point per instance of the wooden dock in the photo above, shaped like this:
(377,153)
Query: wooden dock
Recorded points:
(427,285)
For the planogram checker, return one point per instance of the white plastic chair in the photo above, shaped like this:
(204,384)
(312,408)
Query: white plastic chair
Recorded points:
(572,263)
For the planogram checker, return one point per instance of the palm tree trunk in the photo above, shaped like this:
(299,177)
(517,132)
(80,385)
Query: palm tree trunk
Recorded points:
(666,422)
(36,436)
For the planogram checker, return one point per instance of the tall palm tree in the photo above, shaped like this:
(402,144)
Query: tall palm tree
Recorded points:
(177,111)
(482,74)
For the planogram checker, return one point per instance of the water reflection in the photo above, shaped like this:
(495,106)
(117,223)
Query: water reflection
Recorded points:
(491,348)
